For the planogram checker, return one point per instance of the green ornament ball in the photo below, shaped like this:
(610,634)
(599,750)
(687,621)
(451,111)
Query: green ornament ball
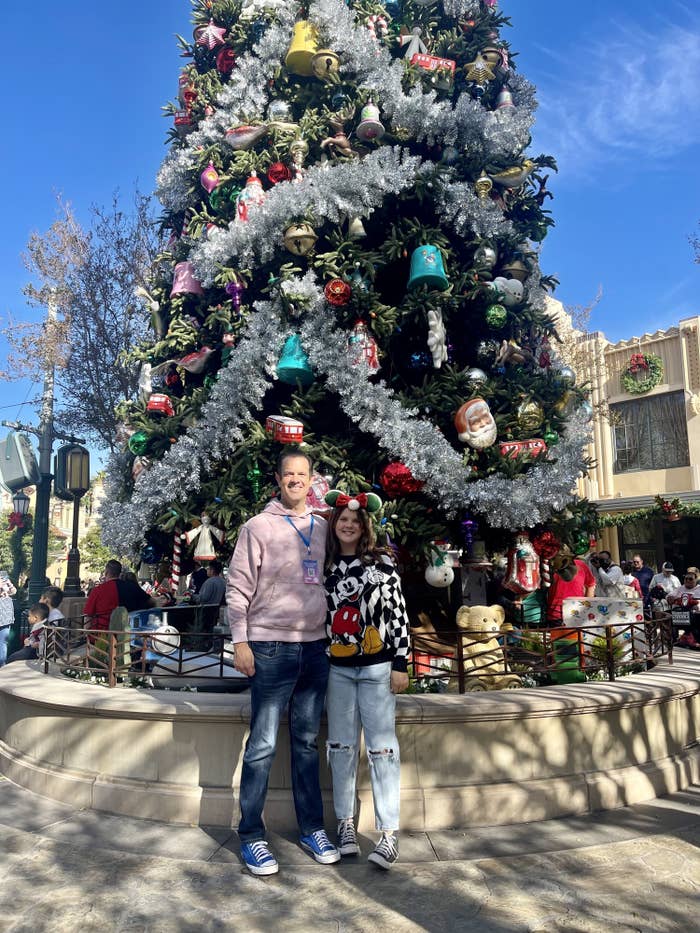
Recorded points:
(581,544)
(550,438)
(496,316)
(138,443)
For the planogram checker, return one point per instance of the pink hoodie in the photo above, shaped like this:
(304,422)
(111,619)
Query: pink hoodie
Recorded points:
(266,597)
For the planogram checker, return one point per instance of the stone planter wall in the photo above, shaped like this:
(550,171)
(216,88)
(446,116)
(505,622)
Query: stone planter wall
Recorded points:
(476,759)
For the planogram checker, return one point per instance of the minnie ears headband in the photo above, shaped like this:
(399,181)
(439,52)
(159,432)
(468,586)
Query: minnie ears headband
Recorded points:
(362,500)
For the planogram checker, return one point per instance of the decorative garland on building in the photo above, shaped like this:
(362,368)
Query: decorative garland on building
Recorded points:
(648,363)
(671,509)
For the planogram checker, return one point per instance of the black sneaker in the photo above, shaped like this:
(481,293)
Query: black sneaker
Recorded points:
(347,838)
(386,851)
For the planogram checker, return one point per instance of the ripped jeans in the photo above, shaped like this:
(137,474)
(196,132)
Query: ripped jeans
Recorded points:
(360,697)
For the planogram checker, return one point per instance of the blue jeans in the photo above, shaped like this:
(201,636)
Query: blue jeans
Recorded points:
(293,675)
(4,637)
(361,697)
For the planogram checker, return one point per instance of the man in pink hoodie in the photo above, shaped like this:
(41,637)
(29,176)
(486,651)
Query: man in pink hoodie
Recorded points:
(277,610)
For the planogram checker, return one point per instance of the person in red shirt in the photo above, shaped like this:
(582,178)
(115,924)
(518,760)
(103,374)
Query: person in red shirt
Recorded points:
(570,578)
(113,592)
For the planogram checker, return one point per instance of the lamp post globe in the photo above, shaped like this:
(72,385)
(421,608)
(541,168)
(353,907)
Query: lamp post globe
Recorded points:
(72,481)
(20,503)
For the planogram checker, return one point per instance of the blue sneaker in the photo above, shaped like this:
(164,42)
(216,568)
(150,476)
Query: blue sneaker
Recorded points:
(258,858)
(320,847)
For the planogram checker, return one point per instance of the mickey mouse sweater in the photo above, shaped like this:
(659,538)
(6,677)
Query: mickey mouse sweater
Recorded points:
(367,621)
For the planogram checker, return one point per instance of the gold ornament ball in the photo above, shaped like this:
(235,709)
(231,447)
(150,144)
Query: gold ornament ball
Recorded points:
(529,416)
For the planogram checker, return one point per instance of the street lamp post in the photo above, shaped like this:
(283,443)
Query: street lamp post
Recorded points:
(20,510)
(73,480)
(46,434)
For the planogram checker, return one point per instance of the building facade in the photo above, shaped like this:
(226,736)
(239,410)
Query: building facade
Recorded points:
(646,440)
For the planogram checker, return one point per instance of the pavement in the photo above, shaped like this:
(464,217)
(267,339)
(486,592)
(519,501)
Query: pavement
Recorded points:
(633,869)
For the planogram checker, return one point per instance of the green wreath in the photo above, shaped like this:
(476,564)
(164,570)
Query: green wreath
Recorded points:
(649,363)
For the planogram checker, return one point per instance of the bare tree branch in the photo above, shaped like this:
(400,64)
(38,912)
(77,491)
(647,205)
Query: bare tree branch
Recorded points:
(90,277)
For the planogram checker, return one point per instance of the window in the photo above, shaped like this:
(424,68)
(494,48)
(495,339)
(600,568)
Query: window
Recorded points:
(650,433)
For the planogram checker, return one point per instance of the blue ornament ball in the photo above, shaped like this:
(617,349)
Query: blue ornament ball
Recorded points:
(258,29)
(419,360)
(150,554)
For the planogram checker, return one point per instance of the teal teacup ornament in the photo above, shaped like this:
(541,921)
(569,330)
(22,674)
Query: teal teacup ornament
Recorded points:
(293,366)
(427,268)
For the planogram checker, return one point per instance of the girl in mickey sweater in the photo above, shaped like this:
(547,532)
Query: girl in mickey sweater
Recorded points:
(369,643)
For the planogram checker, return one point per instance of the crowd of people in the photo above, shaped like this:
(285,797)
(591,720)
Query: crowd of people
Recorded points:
(599,576)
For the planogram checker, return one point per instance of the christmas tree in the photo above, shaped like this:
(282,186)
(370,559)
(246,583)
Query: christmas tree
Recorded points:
(355,225)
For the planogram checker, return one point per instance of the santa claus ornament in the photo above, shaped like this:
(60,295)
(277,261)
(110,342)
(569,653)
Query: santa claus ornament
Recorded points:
(363,347)
(523,569)
(251,197)
(475,424)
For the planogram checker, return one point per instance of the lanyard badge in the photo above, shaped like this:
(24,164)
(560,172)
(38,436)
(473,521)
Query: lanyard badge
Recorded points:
(309,567)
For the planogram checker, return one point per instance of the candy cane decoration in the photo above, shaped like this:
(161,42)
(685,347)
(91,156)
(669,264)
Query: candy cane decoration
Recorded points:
(175,569)
(546,573)
(378,26)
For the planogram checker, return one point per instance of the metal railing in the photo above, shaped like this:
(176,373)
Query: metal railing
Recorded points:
(459,659)
(464,660)
(154,658)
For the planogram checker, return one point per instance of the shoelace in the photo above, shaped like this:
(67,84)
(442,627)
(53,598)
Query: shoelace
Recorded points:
(321,839)
(346,832)
(387,845)
(260,851)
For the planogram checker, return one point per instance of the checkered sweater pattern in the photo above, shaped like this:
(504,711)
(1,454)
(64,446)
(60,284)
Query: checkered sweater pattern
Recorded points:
(367,621)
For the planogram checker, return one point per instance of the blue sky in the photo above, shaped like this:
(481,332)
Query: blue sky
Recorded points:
(619,91)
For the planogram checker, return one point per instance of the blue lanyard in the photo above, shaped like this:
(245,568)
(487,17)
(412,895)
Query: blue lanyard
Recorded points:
(307,541)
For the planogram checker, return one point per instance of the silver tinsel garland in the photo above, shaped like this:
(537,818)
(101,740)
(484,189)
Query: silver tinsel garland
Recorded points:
(237,393)
(487,133)
(524,501)
(328,192)
(468,214)
(459,8)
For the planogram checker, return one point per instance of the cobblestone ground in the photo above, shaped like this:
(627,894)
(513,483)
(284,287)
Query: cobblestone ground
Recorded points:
(636,869)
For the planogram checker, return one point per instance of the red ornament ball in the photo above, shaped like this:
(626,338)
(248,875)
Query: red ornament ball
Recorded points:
(337,292)
(397,480)
(278,172)
(546,544)
(225,61)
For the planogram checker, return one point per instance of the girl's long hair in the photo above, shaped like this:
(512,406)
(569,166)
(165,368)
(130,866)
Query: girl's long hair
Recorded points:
(368,550)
